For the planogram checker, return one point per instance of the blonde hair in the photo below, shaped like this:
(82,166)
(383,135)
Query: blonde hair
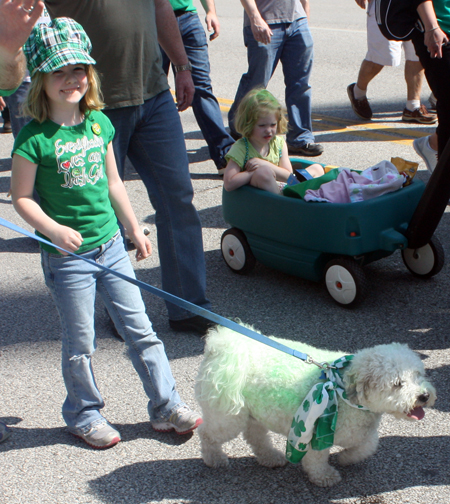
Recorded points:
(37,106)
(256,103)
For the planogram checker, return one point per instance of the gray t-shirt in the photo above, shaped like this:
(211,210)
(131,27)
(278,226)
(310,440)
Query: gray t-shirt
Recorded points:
(278,11)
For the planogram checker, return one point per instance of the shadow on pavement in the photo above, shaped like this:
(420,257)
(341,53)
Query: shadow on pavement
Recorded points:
(399,463)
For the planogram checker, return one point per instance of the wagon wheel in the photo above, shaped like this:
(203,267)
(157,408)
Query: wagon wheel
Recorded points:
(425,261)
(236,251)
(346,281)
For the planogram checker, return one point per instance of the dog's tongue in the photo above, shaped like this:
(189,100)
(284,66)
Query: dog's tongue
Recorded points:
(417,413)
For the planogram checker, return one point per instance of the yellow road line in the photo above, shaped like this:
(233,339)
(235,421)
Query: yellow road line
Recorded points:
(374,130)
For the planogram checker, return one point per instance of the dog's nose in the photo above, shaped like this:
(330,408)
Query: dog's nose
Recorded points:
(424,397)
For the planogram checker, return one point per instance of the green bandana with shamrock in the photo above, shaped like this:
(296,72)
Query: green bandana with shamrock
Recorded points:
(314,422)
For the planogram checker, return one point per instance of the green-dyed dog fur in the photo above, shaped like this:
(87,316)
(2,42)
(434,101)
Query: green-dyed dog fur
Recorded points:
(246,386)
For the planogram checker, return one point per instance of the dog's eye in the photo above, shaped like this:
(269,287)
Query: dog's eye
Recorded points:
(398,383)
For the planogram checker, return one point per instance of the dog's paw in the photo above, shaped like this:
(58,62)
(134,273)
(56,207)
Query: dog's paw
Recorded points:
(325,479)
(356,454)
(215,460)
(274,458)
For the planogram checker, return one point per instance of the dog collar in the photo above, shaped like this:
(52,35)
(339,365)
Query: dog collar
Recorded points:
(314,422)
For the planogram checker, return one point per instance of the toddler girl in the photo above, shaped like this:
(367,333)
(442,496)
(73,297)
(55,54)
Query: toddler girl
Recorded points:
(66,153)
(260,158)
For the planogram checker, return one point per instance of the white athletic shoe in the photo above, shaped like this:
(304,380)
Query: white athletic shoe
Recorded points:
(423,149)
(183,421)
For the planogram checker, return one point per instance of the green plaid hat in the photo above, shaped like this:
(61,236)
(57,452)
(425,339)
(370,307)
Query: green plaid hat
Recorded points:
(57,44)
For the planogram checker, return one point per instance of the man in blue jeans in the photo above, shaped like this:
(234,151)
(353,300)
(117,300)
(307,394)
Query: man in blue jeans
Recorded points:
(277,30)
(125,37)
(205,106)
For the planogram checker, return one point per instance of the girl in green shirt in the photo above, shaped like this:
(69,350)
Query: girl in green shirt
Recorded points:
(66,153)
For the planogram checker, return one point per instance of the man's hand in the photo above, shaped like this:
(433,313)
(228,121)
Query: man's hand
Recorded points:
(17,18)
(434,37)
(261,30)
(184,89)
(434,40)
(211,19)
(212,25)
(2,104)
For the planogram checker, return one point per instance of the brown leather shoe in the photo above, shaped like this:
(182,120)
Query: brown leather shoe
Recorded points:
(360,107)
(419,115)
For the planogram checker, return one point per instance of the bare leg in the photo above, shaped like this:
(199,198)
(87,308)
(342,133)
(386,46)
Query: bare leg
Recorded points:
(367,72)
(316,170)
(414,74)
(263,178)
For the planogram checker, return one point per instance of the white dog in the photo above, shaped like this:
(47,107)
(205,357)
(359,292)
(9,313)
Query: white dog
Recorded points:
(245,386)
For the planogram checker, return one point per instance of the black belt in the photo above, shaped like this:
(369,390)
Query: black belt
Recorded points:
(179,12)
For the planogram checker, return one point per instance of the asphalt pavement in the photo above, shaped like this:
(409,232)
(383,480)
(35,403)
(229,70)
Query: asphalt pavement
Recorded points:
(43,463)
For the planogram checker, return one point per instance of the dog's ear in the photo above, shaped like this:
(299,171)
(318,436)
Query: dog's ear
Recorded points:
(358,383)
(358,390)
(352,395)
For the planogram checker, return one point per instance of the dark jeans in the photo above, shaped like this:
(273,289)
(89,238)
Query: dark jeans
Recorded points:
(205,106)
(14,103)
(151,136)
(437,71)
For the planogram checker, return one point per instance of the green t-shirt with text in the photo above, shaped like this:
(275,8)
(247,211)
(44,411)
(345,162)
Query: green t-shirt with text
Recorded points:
(71,176)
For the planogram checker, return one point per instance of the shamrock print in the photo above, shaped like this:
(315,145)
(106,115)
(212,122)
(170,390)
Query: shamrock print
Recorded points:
(299,428)
(317,394)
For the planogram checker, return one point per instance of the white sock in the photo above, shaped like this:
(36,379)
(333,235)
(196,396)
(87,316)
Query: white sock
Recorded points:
(412,105)
(359,93)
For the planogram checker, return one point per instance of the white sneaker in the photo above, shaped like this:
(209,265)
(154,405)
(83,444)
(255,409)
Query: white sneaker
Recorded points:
(423,149)
(183,421)
(101,435)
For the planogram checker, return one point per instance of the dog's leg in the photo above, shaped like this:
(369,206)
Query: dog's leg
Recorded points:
(315,464)
(257,437)
(216,430)
(360,452)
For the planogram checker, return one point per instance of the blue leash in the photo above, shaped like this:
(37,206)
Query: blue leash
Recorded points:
(182,303)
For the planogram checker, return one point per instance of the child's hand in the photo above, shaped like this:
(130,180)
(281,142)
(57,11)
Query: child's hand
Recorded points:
(143,245)
(255,163)
(66,238)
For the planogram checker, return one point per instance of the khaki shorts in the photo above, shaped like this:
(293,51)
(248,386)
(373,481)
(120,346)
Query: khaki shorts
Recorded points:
(382,51)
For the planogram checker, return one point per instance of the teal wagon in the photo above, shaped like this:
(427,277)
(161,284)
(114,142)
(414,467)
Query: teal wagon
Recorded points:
(324,241)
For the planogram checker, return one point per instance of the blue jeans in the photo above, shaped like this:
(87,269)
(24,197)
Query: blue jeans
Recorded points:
(151,136)
(205,106)
(73,284)
(14,103)
(291,44)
